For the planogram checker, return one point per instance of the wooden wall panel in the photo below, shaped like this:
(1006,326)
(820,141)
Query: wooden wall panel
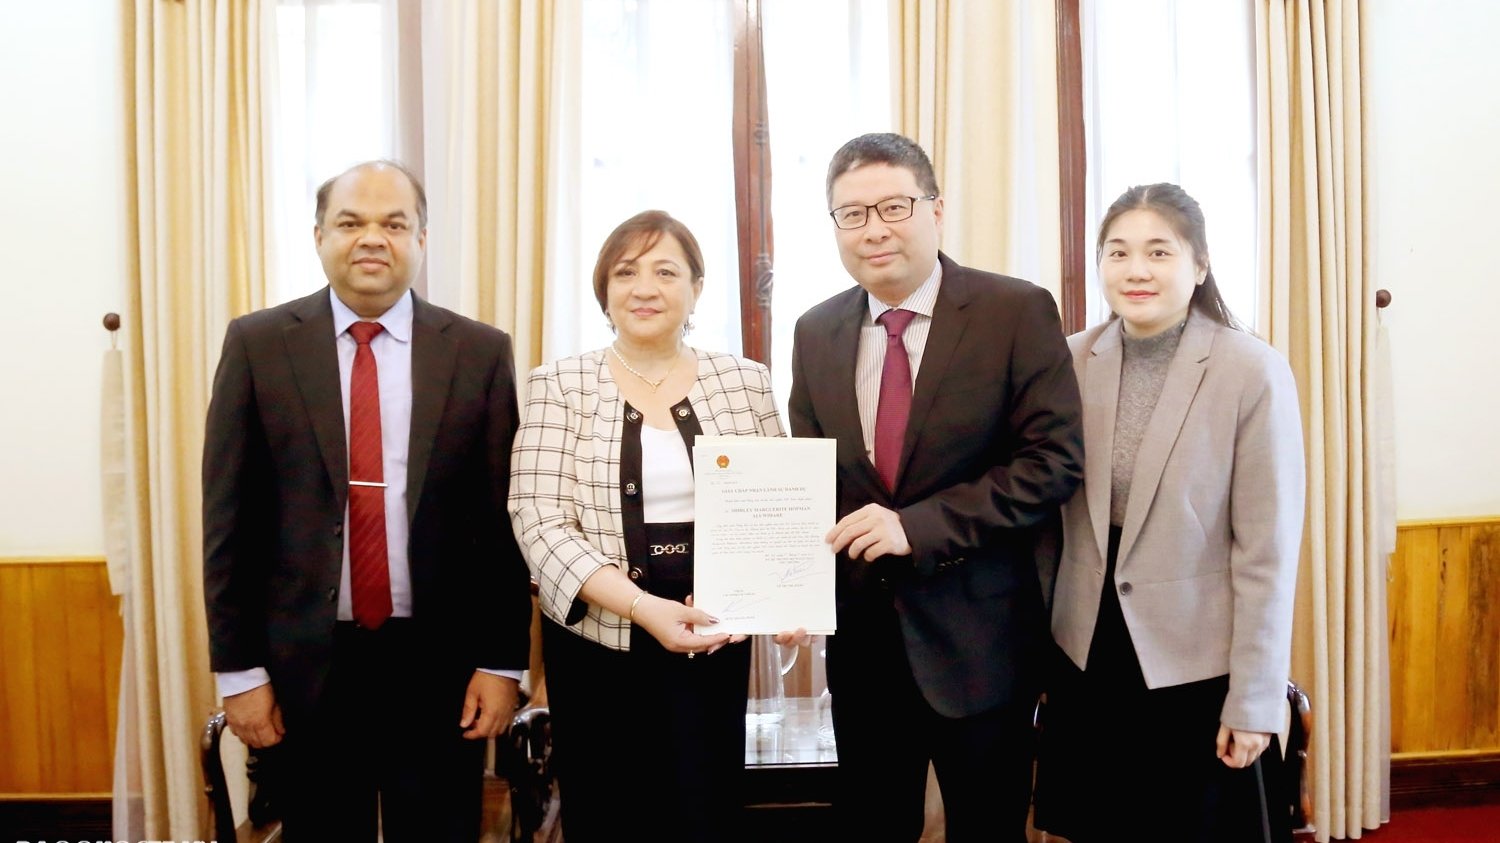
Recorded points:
(20,756)
(60,648)
(1484,609)
(1444,601)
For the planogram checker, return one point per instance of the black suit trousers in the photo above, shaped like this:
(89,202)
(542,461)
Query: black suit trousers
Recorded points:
(647,744)
(887,734)
(383,741)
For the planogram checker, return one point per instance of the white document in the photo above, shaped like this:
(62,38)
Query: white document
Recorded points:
(763,506)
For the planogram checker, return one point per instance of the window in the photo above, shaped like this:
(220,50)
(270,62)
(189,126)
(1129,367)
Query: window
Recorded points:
(657,89)
(335,105)
(828,79)
(1169,95)
(655,134)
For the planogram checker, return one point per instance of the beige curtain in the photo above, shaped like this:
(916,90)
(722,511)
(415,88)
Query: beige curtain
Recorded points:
(1322,316)
(492,76)
(198,164)
(976,86)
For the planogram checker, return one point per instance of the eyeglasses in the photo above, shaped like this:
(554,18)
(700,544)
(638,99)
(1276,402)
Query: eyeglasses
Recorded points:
(894,209)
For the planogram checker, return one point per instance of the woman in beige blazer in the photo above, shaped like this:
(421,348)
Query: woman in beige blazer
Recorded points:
(648,716)
(1173,605)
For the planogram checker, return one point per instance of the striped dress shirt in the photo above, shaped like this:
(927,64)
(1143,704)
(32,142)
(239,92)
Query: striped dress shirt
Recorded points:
(872,341)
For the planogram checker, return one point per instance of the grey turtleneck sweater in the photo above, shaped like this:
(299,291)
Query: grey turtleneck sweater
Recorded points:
(1142,374)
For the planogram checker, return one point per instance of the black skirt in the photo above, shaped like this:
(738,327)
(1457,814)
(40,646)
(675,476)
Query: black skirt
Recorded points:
(1120,761)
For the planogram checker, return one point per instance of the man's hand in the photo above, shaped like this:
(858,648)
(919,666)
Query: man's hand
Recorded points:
(793,638)
(254,717)
(488,705)
(871,531)
(1240,749)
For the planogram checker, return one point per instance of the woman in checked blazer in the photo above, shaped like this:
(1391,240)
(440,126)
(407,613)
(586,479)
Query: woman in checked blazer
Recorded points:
(1173,606)
(648,716)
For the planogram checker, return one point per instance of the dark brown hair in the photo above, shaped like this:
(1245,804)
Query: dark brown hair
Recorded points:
(638,235)
(326,188)
(883,148)
(1183,214)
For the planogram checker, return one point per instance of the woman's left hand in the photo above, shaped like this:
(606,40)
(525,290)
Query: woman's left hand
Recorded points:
(1240,749)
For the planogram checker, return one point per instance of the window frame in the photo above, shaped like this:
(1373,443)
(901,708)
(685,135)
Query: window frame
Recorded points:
(751,134)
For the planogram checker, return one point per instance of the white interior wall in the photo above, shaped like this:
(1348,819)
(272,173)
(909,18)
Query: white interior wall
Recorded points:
(63,231)
(1432,77)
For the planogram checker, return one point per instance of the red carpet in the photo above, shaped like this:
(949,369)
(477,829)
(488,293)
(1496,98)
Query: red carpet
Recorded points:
(1477,824)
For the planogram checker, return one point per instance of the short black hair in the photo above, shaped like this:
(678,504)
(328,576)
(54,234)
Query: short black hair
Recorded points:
(883,148)
(326,188)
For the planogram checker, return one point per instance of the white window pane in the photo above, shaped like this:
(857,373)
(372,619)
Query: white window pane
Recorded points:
(828,80)
(334,105)
(656,118)
(1169,95)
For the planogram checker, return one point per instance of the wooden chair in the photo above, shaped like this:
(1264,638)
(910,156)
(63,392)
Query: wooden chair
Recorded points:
(1299,794)
(523,758)
(263,826)
(523,755)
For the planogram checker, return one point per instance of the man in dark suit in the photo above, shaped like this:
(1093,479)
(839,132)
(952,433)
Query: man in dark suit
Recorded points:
(367,605)
(952,397)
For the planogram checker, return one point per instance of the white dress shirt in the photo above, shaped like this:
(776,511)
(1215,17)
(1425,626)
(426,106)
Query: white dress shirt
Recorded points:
(872,343)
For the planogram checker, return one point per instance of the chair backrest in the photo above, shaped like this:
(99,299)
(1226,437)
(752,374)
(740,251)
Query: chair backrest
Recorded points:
(214,784)
(523,758)
(261,828)
(1299,795)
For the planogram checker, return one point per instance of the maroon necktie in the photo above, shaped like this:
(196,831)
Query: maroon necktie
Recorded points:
(369,570)
(895,396)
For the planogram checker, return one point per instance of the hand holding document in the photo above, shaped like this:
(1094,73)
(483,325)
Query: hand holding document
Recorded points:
(763,506)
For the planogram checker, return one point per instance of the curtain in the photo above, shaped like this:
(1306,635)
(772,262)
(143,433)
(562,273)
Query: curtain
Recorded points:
(1320,311)
(200,217)
(496,120)
(128,809)
(976,86)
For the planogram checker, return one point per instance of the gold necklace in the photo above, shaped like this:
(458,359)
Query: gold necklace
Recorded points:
(654,384)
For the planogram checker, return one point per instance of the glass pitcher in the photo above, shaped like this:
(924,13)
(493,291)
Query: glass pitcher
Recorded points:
(769,664)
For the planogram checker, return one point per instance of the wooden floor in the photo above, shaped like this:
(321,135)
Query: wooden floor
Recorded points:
(37,818)
(496,824)
(1465,824)
(785,826)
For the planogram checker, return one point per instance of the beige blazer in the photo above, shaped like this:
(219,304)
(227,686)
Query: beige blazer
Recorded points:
(1208,555)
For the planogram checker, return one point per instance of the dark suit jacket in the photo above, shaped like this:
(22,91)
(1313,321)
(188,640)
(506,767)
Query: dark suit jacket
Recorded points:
(275,481)
(994,444)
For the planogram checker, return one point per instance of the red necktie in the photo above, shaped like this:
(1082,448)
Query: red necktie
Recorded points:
(369,570)
(895,396)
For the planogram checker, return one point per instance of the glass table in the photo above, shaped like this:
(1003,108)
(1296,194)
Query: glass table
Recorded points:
(800,739)
(789,776)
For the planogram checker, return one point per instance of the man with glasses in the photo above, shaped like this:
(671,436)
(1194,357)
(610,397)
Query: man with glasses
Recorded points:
(952,396)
